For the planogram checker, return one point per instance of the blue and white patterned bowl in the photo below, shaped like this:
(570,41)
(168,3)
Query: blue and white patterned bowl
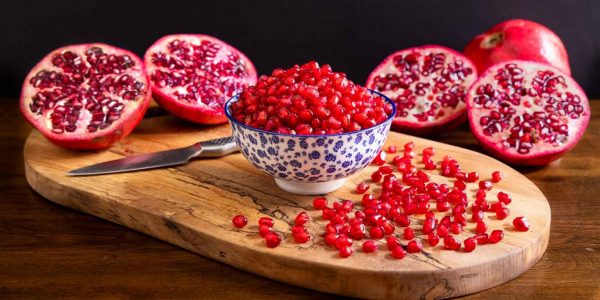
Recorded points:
(310,164)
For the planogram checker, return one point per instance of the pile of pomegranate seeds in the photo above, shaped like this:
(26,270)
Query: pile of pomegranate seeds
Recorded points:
(387,218)
(310,99)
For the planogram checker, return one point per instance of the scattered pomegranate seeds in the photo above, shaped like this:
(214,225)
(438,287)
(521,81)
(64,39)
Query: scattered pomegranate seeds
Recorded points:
(239,221)
(272,239)
(301,218)
(369,246)
(496,236)
(392,149)
(521,224)
(497,176)
(404,196)
(414,247)
(470,244)
(309,99)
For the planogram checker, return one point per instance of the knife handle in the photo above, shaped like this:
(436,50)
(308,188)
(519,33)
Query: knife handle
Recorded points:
(216,148)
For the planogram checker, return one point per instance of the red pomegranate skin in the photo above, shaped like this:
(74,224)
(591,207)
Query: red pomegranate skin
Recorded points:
(518,39)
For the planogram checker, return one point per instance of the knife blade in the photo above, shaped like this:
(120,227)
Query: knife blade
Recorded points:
(213,148)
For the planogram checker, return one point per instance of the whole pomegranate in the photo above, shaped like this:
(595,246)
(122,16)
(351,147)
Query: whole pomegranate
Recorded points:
(518,39)
(428,85)
(192,75)
(86,96)
(309,99)
(527,113)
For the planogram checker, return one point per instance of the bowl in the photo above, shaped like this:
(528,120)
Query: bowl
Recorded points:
(310,164)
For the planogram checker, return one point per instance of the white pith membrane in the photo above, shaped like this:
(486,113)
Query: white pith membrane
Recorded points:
(527,108)
(198,71)
(70,96)
(428,85)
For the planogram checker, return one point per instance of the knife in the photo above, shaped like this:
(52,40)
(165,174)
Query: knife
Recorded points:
(213,148)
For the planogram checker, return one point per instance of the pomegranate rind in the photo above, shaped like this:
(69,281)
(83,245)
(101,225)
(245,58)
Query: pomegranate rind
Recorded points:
(539,155)
(526,38)
(100,139)
(450,121)
(196,113)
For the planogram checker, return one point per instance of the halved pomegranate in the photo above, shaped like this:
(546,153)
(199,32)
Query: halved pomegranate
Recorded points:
(527,113)
(428,85)
(192,75)
(86,96)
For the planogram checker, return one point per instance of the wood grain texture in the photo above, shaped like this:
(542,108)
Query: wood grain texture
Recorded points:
(192,205)
(48,251)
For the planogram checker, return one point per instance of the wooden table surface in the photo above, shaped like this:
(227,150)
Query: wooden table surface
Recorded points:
(48,251)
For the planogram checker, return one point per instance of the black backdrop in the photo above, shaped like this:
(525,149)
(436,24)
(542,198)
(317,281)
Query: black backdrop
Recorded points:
(352,36)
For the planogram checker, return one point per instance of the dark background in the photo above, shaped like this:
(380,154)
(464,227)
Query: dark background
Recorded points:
(352,36)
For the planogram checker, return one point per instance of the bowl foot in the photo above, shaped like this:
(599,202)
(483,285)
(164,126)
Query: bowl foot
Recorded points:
(309,188)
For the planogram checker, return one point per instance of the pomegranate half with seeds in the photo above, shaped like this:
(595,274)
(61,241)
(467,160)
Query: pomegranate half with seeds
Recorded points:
(86,96)
(527,113)
(428,85)
(193,75)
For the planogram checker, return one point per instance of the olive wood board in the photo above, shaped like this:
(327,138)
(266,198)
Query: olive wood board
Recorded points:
(192,205)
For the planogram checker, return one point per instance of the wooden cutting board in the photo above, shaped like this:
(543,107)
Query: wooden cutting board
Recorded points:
(192,205)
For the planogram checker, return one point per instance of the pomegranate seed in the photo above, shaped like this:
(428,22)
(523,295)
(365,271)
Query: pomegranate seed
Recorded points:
(392,242)
(239,221)
(428,151)
(391,149)
(461,176)
(272,239)
(414,247)
(472,177)
(402,220)
(328,213)
(263,230)
(266,221)
(482,238)
(409,234)
(302,237)
(386,170)
(362,187)
(504,198)
(521,224)
(359,214)
(480,194)
(388,227)
(345,251)
(496,236)
(485,185)
(429,215)
(460,185)
(398,252)
(442,206)
(301,218)
(433,239)
(451,243)
(442,230)
(298,229)
(369,246)
(481,227)
(470,244)
(477,216)
(376,176)
(409,146)
(320,203)
(376,233)
(331,238)
(456,228)
(379,158)
(502,213)
(429,225)
(497,176)
(343,241)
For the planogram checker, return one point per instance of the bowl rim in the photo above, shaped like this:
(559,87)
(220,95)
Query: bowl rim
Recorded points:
(231,119)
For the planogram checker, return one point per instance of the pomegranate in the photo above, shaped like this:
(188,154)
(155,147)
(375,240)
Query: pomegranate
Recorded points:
(86,96)
(309,100)
(428,85)
(527,113)
(192,75)
(517,39)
